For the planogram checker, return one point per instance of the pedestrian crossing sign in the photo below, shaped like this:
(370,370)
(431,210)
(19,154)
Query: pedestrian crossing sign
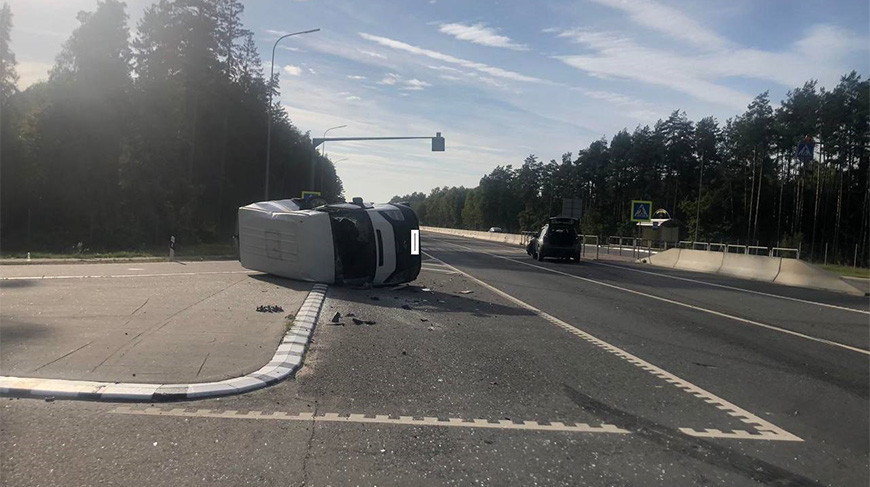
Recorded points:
(641,211)
(805,150)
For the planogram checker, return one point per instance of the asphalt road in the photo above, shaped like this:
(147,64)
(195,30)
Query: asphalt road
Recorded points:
(519,373)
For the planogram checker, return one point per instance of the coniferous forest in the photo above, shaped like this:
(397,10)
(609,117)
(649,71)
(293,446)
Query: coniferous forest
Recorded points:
(145,131)
(753,187)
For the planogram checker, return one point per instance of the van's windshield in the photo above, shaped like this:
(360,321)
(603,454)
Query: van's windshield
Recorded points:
(354,244)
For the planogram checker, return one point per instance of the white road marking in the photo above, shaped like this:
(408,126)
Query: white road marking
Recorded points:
(135,269)
(430,269)
(815,303)
(378,419)
(678,303)
(28,278)
(723,286)
(766,430)
(434,267)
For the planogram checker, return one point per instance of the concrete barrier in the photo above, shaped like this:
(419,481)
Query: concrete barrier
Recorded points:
(507,238)
(789,272)
(668,258)
(794,272)
(699,260)
(756,267)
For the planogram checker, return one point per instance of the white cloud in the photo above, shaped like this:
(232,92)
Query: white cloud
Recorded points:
(415,85)
(615,98)
(816,56)
(393,79)
(446,68)
(352,98)
(290,48)
(372,54)
(292,70)
(480,34)
(311,70)
(390,79)
(669,21)
(484,68)
(356,77)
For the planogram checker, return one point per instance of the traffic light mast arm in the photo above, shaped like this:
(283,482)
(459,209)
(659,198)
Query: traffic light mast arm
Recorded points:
(437,146)
(318,141)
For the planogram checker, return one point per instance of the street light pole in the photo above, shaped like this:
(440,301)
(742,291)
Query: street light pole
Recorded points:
(698,211)
(269,109)
(323,149)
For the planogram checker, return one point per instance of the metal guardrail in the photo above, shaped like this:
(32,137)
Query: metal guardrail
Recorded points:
(757,250)
(778,250)
(741,249)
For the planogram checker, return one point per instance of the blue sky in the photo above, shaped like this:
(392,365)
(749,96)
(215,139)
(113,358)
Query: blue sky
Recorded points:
(505,79)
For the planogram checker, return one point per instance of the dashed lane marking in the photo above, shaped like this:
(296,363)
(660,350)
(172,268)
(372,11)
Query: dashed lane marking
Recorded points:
(765,430)
(503,424)
(169,274)
(678,303)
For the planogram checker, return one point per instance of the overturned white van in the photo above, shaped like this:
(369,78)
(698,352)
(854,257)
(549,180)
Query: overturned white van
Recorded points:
(346,243)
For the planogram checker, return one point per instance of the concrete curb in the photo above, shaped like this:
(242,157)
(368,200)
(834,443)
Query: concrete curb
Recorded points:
(116,260)
(286,361)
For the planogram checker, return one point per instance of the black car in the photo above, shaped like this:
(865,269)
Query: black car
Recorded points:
(558,239)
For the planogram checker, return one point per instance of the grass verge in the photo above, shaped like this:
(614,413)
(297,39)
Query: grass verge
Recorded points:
(847,271)
(187,251)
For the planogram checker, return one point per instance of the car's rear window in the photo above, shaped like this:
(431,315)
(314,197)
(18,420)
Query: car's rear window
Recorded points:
(562,229)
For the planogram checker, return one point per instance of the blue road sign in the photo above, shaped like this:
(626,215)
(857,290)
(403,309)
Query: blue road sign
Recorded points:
(805,150)
(641,211)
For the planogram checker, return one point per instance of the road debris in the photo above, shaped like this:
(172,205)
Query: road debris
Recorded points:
(357,321)
(467,291)
(405,306)
(336,317)
(270,308)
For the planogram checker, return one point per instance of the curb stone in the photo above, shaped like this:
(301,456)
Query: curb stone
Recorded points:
(286,361)
(114,260)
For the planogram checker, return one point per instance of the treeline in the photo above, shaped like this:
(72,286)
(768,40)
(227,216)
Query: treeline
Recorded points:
(136,137)
(753,187)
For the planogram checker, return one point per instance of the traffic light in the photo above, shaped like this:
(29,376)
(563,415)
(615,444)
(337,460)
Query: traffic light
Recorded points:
(438,143)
